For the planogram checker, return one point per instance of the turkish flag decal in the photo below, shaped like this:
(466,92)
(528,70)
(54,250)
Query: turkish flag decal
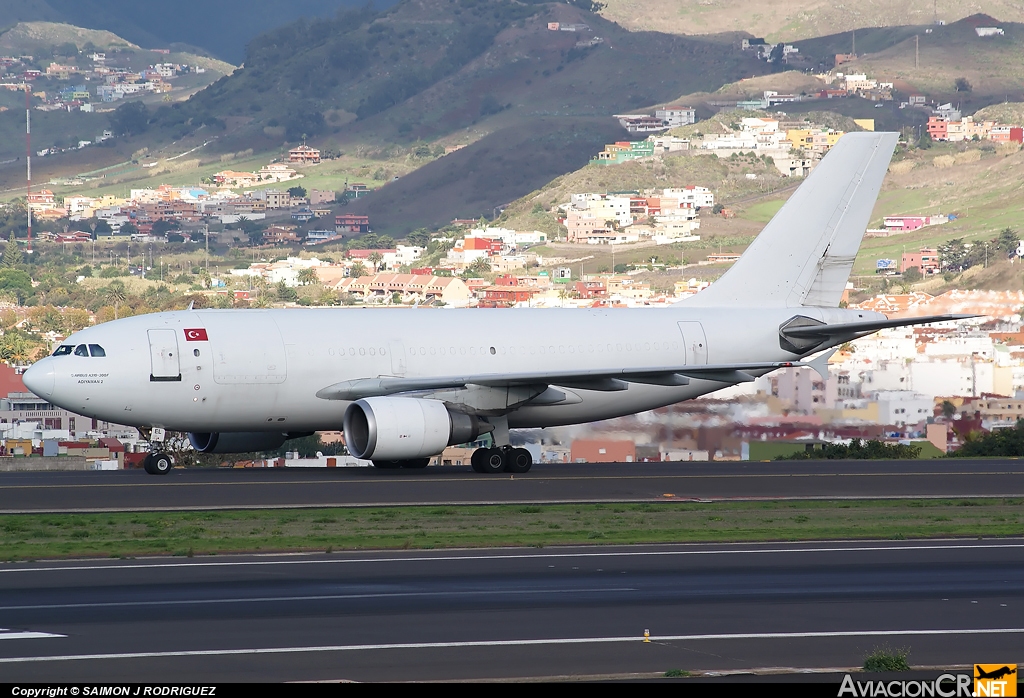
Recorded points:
(196,335)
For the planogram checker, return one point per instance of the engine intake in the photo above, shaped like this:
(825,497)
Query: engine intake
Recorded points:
(237,441)
(403,428)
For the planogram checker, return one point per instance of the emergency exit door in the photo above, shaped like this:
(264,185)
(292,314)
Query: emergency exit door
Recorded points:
(695,343)
(163,356)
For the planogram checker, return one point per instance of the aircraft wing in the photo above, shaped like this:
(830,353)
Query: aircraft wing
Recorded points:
(601,379)
(855,328)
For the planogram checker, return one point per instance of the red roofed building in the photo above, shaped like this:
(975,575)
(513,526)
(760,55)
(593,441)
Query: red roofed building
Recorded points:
(351,223)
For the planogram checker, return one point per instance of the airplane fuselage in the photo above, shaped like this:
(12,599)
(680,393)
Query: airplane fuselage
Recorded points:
(252,370)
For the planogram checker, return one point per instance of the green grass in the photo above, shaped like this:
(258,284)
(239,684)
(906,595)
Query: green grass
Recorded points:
(887,659)
(37,536)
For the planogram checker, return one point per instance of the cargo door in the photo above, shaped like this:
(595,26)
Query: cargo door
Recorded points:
(695,343)
(163,356)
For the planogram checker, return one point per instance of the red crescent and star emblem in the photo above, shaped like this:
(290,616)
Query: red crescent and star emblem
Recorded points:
(196,335)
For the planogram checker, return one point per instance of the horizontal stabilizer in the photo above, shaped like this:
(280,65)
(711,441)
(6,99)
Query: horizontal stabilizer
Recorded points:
(853,329)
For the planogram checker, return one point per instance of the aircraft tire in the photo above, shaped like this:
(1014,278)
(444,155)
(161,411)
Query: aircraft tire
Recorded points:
(161,463)
(416,463)
(518,460)
(477,460)
(147,464)
(494,461)
(387,464)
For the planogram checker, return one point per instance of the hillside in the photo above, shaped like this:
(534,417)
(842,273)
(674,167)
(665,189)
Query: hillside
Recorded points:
(994,66)
(428,68)
(791,20)
(221,29)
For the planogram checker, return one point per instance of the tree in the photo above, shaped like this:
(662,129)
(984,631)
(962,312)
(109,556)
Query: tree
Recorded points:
(777,54)
(948,409)
(12,254)
(418,238)
(1007,242)
(162,227)
(954,255)
(16,282)
(116,294)
(129,119)
(308,276)
(297,192)
(912,275)
(375,258)
(357,270)
(962,85)
(128,229)
(925,141)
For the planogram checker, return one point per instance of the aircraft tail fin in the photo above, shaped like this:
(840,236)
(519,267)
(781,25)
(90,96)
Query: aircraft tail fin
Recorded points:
(804,255)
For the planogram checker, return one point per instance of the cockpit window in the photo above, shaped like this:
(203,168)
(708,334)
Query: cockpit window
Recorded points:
(96,350)
(81,350)
(63,350)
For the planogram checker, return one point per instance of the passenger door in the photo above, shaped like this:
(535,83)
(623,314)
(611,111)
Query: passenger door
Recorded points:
(163,356)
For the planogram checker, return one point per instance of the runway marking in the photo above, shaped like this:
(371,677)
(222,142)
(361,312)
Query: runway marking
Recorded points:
(6,634)
(392,504)
(516,556)
(323,597)
(510,643)
(476,479)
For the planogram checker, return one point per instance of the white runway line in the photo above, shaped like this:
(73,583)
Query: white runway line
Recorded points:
(515,556)
(323,597)
(509,643)
(6,634)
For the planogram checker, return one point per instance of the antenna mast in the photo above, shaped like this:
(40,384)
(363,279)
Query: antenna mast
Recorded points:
(28,160)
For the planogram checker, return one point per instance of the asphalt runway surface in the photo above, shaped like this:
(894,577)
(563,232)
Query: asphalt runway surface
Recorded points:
(511,614)
(545,483)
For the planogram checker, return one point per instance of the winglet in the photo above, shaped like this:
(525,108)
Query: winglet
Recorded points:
(820,364)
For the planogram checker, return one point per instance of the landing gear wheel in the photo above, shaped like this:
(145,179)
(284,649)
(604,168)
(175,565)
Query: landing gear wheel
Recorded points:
(387,464)
(477,459)
(159,464)
(493,461)
(147,464)
(518,460)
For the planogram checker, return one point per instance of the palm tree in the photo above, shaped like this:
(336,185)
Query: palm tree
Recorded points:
(116,295)
(308,276)
(375,258)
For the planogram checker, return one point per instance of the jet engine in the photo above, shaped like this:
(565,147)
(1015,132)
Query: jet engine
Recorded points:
(404,428)
(238,441)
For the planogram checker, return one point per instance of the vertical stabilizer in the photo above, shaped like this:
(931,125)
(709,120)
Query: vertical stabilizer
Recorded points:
(804,255)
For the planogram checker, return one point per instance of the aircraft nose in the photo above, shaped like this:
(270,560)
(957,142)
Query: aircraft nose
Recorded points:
(39,378)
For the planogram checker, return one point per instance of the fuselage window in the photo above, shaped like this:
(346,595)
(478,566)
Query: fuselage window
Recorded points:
(64,350)
(96,350)
(81,350)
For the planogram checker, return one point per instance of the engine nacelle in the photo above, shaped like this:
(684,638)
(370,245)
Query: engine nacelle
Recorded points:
(237,441)
(403,428)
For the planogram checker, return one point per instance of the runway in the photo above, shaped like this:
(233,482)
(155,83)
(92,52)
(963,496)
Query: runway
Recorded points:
(545,483)
(506,614)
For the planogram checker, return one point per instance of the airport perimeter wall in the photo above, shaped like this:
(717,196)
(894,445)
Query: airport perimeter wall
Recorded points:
(8,465)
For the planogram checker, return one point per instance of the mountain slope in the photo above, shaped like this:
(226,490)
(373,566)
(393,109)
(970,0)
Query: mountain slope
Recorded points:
(222,28)
(791,20)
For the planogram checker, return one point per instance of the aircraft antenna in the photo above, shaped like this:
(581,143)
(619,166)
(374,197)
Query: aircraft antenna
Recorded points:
(28,160)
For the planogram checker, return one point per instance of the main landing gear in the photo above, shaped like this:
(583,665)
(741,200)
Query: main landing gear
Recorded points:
(157,464)
(501,459)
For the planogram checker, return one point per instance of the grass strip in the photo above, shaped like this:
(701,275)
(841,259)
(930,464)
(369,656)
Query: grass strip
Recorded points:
(43,536)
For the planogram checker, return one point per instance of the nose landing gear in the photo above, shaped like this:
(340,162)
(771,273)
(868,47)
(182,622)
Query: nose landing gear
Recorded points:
(501,459)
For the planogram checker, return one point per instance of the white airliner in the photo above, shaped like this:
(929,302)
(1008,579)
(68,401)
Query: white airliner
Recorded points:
(406,384)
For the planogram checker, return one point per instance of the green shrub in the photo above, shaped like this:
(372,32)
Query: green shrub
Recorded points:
(887,659)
